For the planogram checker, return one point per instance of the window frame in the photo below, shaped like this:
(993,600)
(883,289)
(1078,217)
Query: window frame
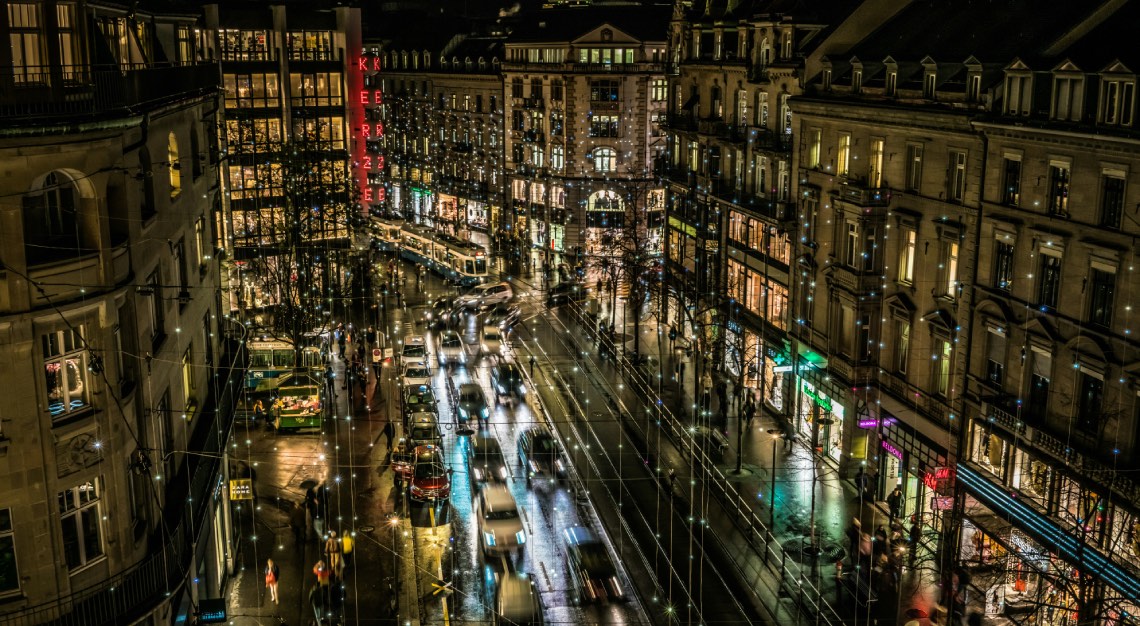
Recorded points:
(8,536)
(77,509)
(69,347)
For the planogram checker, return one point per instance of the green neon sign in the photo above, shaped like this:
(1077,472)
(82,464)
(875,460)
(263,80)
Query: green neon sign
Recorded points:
(823,401)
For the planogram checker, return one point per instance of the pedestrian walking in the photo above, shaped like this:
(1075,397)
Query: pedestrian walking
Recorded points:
(321,570)
(722,397)
(749,409)
(894,503)
(332,553)
(317,512)
(672,478)
(853,536)
(258,411)
(347,544)
(297,523)
(915,538)
(342,343)
(532,366)
(861,482)
(389,434)
(706,391)
(271,574)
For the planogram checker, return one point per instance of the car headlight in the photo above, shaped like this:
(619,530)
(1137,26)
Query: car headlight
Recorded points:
(489,538)
(534,469)
(478,473)
(559,466)
(520,536)
(503,472)
(462,412)
(417,490)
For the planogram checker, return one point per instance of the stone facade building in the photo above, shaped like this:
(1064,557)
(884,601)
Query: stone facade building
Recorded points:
(116,407)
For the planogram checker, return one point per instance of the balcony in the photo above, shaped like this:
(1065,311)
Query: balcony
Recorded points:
(681,121)
(535,136)
(854,281)
(190,496)
(774,142)
(857,192)
(723,130)
(926,403)
(534,102)
(106,91)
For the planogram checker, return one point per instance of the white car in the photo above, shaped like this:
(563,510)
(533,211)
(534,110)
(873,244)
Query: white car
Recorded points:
(491,341)
(500,526)
(415,373)
(484,296)
(451,349)
(414,349)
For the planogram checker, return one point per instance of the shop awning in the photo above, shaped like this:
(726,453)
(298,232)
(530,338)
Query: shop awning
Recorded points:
(1046,532)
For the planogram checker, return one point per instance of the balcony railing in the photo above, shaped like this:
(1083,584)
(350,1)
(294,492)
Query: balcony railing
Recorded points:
(857,192)
(925,403)
(190,494)
(104,91)
(681,121)
(859,283)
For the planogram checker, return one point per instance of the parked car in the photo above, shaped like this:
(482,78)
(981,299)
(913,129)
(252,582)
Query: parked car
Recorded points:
(500,527)
(423,429)
(418,399)
(539,454)
(431,480)
(491,341)
(517,602)
(507,380)
(485,458)
(414,348)
(483,296)
(415,373)
(451,349)
(566,292)
(504,315)
(472,403)
(594,574)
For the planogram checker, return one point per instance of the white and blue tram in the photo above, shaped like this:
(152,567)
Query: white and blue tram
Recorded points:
(460,261)
(387,233)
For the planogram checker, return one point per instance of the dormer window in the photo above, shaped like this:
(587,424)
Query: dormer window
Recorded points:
(1118,102)
(892,82)
(1067,95)
(1018,93)
(827,79)
(856,81)
(974,87)
(929,82)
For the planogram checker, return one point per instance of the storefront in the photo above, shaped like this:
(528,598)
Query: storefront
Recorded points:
(447,213)
(743,351)
(909,460)
(815,401)
(477,216)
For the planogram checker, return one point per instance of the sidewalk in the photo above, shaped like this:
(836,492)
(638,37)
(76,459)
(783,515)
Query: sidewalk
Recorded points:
(797,475)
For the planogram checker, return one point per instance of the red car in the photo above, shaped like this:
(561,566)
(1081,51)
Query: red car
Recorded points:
(431,480)
(402,461)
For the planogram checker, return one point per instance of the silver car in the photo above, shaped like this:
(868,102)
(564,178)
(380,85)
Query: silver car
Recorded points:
(500,526)
(484,296)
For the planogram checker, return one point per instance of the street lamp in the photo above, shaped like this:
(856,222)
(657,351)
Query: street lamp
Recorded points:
(394,522)
(775,434)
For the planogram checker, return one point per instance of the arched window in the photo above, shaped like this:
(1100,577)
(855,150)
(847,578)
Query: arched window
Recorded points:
(443,63)
(482,64)
(467,63)
(427,60)
(175,166)
(605,159)
(51,223)
(147,207)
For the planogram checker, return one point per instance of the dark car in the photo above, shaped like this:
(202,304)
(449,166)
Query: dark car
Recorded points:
(444,314)
(517,602)
(418,399)
(539,454)
(472,403)
(566,292)
(504,315)
(594,574)
(507,380)
(431,480)
(423,429)
(485,458)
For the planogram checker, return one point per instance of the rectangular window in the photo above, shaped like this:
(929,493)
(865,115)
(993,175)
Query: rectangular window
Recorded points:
(875,173)
(1003,265)
(517,88)
(950,268)
(1018,95)
(846,331)
(24,40)
(70,56)
(556,90)
(1090,404)
(200,245)
(1067,92)
(995,357)
(187,378)
(870,246)
(929,83)
(536,88)
(892,83)
(974,87)
(843,154)
(957,191)
(604,91)
(863,341)
(179,261)
(814,149)
(157,313)
(906,256)
(66,377)
(1111,201)
(81,523)
(9,574)
(659,90)
(902,348)
(1058,201)
(1040,379)
(604,126)
(914,168)
(1049,284)
(557,158)
(1011,182)
(1102,284)
(942,366)
(556,123)
(853,245)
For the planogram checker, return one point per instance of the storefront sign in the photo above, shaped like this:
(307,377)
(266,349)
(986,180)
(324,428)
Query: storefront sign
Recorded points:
(866,424)
(942,503)
(823,401)
(941,480)
(893,451)
(212,611)
(368,163)
(241,489)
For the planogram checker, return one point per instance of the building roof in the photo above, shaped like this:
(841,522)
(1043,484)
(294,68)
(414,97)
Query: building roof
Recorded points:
(645,22)
(1109,41)
(991,30)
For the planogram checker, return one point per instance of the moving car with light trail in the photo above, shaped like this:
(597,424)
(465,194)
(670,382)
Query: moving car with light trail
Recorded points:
(472,403)
(485,458)
(539,454)
(500,526)
(594,574)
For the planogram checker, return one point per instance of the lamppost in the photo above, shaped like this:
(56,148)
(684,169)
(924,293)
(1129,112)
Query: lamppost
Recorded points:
(774,433)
